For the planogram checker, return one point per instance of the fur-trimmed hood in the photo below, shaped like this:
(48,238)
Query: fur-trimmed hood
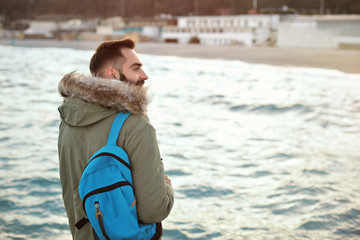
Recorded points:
(108,93)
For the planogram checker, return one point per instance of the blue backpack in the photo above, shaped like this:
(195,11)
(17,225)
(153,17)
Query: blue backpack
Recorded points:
(107,193)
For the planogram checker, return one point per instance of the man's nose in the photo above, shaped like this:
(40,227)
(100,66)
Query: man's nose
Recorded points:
(143,76)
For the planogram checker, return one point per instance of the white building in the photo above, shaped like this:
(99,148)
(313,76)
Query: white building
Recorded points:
(326,31)
(245,30)
(43,29)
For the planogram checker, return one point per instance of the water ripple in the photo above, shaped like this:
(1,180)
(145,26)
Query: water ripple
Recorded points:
(253,151)
(204,192)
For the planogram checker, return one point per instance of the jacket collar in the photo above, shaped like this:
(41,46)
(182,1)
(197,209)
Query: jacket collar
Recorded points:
(108,93)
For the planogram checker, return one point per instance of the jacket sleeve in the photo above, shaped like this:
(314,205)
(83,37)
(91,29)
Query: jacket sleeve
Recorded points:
(154,195)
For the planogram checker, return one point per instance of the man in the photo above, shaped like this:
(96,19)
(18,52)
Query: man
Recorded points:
(89,108)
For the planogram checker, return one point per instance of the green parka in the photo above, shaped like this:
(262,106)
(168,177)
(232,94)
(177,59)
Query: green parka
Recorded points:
(89,108)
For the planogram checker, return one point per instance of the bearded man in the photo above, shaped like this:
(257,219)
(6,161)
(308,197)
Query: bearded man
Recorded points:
(90,105)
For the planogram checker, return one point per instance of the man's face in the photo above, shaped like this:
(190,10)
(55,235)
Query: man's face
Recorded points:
(131,70)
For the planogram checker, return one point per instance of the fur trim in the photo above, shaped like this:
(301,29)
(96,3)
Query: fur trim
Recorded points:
(108,93)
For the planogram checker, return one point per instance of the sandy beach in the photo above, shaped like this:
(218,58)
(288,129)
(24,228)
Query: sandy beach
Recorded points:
(345,60)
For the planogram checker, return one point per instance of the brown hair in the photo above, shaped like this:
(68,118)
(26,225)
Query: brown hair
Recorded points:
(109,52)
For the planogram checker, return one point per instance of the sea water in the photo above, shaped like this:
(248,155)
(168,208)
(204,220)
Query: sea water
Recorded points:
(253,151)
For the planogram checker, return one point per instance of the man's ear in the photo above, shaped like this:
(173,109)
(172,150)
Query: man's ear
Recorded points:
(110,73)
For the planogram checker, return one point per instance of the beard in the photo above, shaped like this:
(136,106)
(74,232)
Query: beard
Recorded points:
(124,79)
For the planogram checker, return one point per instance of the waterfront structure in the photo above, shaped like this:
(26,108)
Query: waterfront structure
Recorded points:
(319,31)
(149,29)
(280,30)
(54,27)
(247,30)
(40,29)
(139,29)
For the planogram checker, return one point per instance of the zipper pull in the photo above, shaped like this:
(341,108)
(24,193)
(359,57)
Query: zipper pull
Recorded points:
(99,216)
(98,212)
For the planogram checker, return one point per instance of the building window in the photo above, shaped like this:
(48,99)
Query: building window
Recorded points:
(191,23)
(231,23)
(203,23)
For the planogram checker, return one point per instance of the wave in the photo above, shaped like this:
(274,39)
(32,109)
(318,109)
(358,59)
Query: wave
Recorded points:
(204,191)
(245,146)
(272,108)
(331,222)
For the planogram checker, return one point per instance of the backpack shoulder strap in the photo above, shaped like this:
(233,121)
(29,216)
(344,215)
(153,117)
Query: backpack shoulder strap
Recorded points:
(116,127)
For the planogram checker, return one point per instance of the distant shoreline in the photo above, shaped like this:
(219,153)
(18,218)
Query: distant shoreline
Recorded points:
(340,59)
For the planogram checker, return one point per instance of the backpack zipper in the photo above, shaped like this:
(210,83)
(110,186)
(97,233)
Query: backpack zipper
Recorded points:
(105,189)
(99,217)
(98,213)
(110,155)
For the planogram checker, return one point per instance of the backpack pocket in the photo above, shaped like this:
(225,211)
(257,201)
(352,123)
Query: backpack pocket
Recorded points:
(109,209)
(108,197)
